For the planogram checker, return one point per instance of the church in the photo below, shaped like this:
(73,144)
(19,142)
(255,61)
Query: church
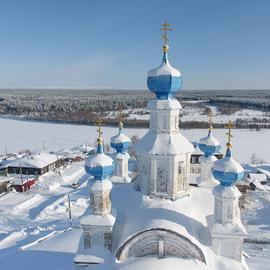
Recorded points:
(157,219)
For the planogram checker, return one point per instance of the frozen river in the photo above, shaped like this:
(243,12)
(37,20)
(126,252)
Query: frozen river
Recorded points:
(17,135)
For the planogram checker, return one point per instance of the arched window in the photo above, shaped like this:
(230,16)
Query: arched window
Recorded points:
(160,243)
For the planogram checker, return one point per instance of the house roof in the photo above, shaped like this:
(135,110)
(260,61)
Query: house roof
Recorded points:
(37,161)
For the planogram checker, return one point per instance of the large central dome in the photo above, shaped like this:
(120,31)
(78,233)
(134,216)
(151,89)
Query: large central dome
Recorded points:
(165,80)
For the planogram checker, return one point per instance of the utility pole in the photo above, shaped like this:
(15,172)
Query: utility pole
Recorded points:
(69,211)
(85,150)
(43,145)
(57,164)
(21,177)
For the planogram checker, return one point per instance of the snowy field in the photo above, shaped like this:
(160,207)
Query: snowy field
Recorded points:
(17,135)
(194,113)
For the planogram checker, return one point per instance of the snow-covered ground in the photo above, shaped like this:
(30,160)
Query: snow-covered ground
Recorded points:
(257,222)
(34,230)
(17,135)
(34,225)
(27,219)
(198,114)
(195,113)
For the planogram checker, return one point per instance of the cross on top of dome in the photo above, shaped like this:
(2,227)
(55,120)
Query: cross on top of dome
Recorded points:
(210,119)
(227,170)
(121,119)
(166,27)
(120,142)
(99,123)
(209,145)
(229,126)
(165,80)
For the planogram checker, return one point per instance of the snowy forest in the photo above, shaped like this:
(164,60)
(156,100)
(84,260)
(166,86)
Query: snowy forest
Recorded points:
(85,106)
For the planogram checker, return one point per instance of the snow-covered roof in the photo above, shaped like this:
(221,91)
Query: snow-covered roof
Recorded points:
(37,161)
(4,163)
(185,216)
(257,176)
(18,180)
(265,169)
(188,216)
(82,148)
(97,220)
(165,144)
(150,263)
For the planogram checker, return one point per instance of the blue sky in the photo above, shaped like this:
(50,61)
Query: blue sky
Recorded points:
(86,43)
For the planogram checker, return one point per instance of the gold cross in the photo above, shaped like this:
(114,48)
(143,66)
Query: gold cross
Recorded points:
(229,126)
(166,27)
(99,123)
(121,118)
(210,115)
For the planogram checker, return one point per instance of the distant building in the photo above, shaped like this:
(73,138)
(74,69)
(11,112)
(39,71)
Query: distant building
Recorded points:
(77,153)
(37,164)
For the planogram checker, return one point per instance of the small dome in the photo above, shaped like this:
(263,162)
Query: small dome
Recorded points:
(209,145)
(227,171)
(99,165)
(120,142)
(165,80)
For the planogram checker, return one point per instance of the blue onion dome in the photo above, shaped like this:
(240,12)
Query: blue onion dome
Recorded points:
(165,80)
(99,165)
(120,142)
(227,170)
(209,145)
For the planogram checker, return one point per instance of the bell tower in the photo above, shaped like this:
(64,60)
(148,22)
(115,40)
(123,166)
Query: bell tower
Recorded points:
(163,154)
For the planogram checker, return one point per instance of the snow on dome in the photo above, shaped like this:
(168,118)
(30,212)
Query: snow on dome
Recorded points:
(99,165)
(165,80)
(209,145)
(120,142)
(227,170)
(163,70)
(99,160)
